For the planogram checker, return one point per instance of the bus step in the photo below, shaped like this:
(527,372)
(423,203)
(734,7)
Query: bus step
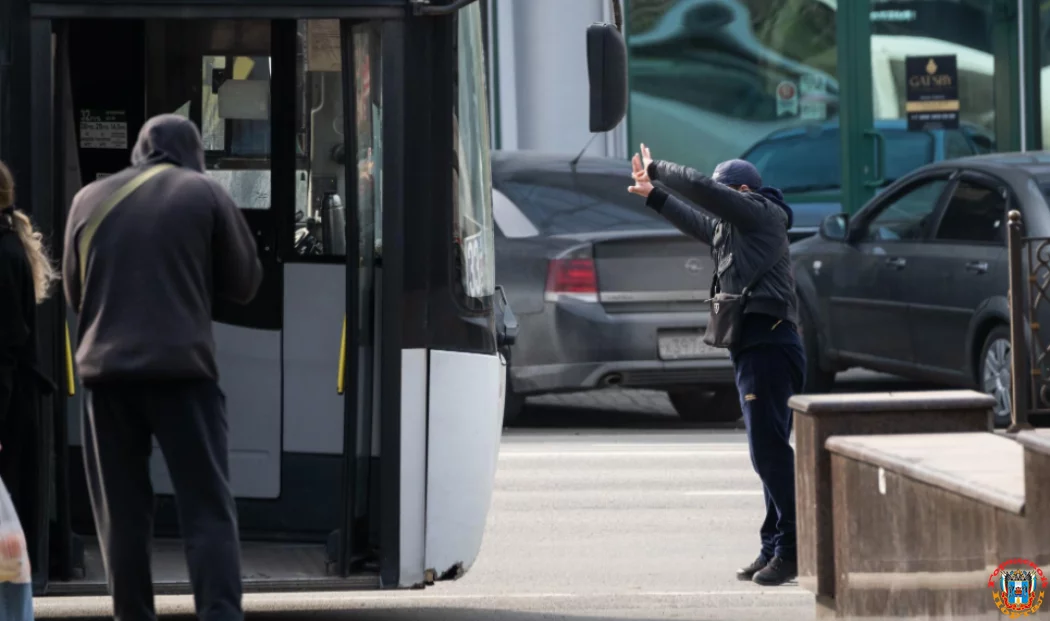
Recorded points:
(265,567)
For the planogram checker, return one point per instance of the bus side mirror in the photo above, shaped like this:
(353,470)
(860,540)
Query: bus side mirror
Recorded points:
(506,321)
(607,75)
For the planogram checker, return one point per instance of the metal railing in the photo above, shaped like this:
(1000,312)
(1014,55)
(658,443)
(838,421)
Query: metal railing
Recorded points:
(1029,345)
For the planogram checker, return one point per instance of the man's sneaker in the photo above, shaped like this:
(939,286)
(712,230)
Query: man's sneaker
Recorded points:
(747,573)
(777,572)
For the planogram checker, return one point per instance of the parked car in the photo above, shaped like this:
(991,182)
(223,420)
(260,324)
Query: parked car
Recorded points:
(804,162)
(606,292)
(915,283)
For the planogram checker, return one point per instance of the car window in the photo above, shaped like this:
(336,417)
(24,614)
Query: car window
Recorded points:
(976,213)
(557,203)
(810,162)
(907,216)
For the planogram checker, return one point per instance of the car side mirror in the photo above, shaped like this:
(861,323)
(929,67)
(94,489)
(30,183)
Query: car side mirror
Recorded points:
(607,74)
(835,227)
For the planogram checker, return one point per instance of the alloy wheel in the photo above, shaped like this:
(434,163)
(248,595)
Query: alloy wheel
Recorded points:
(996,377)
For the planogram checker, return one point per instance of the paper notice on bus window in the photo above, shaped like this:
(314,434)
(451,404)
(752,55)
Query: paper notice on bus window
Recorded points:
(323,52)
(103,129)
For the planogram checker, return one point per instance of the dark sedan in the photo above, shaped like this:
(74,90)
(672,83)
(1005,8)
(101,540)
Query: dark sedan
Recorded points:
(915,283)
(606,292)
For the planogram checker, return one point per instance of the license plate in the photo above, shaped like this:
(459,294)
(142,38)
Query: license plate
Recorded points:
(686,346)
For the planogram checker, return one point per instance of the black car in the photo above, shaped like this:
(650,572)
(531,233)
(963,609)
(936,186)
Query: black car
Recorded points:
(915,283)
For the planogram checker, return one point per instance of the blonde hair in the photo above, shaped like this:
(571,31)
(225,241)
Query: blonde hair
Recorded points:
(32,240)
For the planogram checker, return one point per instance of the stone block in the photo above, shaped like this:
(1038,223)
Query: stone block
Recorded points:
(921,522)
(1037,492)
(818,417)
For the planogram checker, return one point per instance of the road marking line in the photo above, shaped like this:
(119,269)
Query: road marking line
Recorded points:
(724,492)
(671,445)
(620,594)
(53,604)
(620,453)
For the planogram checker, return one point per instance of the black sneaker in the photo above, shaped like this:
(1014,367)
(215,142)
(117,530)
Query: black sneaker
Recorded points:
(777,572)
(747,573)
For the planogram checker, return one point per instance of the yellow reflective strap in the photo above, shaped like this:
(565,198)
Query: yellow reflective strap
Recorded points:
(93,222)
(342,359)
(71,384)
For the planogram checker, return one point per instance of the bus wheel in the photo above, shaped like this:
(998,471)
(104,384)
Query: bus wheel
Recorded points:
(698,405)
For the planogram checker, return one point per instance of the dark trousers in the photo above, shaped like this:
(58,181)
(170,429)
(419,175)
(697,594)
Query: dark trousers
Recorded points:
(767,376)
(189,421)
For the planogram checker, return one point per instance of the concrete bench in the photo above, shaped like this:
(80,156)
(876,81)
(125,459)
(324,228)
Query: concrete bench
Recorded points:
(817,417)
(921,522)
(1037,491)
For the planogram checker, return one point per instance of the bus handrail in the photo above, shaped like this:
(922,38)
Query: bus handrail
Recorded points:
(342,360)
(71,384)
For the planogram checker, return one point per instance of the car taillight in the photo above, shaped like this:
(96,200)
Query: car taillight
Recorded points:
(573,275)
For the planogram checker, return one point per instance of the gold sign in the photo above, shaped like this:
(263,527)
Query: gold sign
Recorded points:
(932,79)
(932,100)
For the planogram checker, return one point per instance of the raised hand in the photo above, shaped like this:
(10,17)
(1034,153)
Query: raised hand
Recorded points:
(642,185)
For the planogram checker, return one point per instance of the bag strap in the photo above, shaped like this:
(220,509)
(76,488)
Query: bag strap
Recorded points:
(96,218)
(770,264)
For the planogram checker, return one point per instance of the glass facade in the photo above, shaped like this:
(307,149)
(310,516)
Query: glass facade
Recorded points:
(718,79)
(710,80)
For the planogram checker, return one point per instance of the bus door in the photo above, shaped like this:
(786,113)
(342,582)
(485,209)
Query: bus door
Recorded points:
(363,271)
(271,100)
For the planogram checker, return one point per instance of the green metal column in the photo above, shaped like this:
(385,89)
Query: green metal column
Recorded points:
(1016,49)
(860,144)
(1031,43)
(1007,82)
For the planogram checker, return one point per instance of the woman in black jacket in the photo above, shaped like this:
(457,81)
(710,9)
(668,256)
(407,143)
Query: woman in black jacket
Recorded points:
(26,275)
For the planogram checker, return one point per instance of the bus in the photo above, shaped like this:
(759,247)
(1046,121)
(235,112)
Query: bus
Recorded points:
(364,384)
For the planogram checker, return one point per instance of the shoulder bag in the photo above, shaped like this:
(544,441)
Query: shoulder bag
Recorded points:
(727,309)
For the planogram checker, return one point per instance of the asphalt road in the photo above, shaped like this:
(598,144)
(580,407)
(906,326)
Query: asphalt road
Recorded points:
(606,507)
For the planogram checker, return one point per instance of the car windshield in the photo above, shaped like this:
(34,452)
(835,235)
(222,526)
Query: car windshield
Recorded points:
(562,203)
(811,162)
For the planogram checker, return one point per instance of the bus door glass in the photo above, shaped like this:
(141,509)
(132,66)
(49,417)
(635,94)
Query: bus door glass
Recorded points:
(219,73)
(329,278)
(364,266)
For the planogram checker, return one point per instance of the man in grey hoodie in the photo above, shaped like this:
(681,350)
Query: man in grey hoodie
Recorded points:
(747,230)
(146,251)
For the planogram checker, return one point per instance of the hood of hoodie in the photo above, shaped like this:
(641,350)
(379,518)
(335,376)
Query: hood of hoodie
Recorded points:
(777,197)
(169,138)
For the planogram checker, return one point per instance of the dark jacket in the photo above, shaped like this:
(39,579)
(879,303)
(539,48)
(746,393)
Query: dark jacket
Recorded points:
(22,384)
(747,228)
(156,262)
(21,381)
